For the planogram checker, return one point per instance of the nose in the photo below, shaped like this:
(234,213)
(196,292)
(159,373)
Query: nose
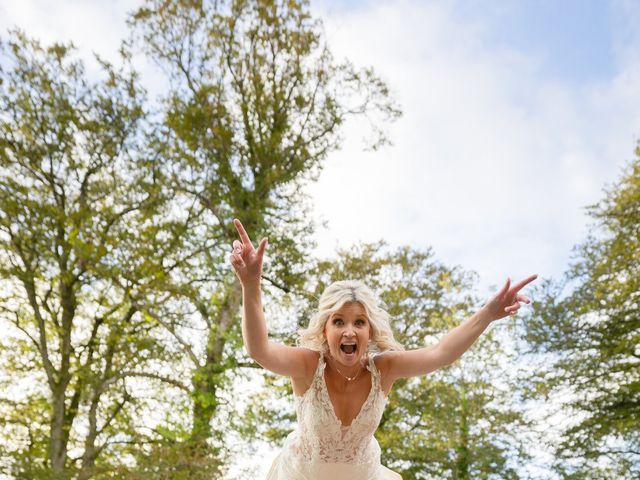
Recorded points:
(348,331)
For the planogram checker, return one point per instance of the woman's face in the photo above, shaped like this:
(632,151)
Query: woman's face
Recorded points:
(347,332)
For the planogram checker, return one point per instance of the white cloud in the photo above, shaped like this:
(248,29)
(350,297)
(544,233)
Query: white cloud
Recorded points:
(91,26)
(493,163)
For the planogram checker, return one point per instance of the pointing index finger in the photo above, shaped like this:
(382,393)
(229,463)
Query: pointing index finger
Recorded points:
(518,286)
(243,233)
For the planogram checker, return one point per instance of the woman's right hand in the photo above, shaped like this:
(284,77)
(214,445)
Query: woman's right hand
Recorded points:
(246,260)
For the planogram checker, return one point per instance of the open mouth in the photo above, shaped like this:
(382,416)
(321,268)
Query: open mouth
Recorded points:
(348,348)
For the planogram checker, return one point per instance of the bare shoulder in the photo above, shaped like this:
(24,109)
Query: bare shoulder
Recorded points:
(301,383)
(383,365)
(382,361)
(310,359)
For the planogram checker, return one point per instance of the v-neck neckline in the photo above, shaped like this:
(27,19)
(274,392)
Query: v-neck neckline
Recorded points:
(333,408)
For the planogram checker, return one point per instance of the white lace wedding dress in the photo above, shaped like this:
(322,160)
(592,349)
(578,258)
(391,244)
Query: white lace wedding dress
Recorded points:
(322,448)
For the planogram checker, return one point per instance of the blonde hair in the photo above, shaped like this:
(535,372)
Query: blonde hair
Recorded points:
(332,299)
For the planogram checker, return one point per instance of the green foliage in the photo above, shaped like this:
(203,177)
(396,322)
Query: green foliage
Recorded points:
(255,103)
(586,328)
(115,228)
(167,460)
(71,193)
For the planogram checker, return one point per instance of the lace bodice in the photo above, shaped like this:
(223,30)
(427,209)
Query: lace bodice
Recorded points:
(321,437)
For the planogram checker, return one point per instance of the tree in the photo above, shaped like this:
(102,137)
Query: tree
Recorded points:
(74,201)
(584,334)
(255,104)
(115,238)
(458,422)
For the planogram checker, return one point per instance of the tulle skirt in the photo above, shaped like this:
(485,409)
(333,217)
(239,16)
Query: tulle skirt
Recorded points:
(286,467)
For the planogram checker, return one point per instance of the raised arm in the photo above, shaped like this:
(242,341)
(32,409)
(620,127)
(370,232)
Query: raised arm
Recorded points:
(424,360)
(284,360)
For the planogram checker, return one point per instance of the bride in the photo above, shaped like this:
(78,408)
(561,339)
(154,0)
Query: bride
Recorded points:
(344,368)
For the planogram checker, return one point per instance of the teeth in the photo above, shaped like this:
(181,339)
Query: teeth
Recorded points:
(349,346)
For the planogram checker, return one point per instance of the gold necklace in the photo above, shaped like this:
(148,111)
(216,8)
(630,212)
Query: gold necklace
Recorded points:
(349,379)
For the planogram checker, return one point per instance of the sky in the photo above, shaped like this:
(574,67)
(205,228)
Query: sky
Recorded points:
(516,115)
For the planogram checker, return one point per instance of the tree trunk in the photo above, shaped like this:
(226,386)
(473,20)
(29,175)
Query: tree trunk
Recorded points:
(60,425)
(206,379)
(89,455)
(462,449)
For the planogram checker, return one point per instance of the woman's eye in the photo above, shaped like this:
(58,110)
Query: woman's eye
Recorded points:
(359,322)
(337,321)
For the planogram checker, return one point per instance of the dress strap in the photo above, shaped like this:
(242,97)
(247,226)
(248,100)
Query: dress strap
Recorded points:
(321,365)
(375,374)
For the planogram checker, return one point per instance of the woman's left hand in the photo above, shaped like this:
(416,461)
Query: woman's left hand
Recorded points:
(507,300)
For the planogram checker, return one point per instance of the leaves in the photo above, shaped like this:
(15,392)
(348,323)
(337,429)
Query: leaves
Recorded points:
(115,224)
(69,196)
(587,326)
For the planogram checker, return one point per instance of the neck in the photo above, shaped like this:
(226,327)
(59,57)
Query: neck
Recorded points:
(348,374)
